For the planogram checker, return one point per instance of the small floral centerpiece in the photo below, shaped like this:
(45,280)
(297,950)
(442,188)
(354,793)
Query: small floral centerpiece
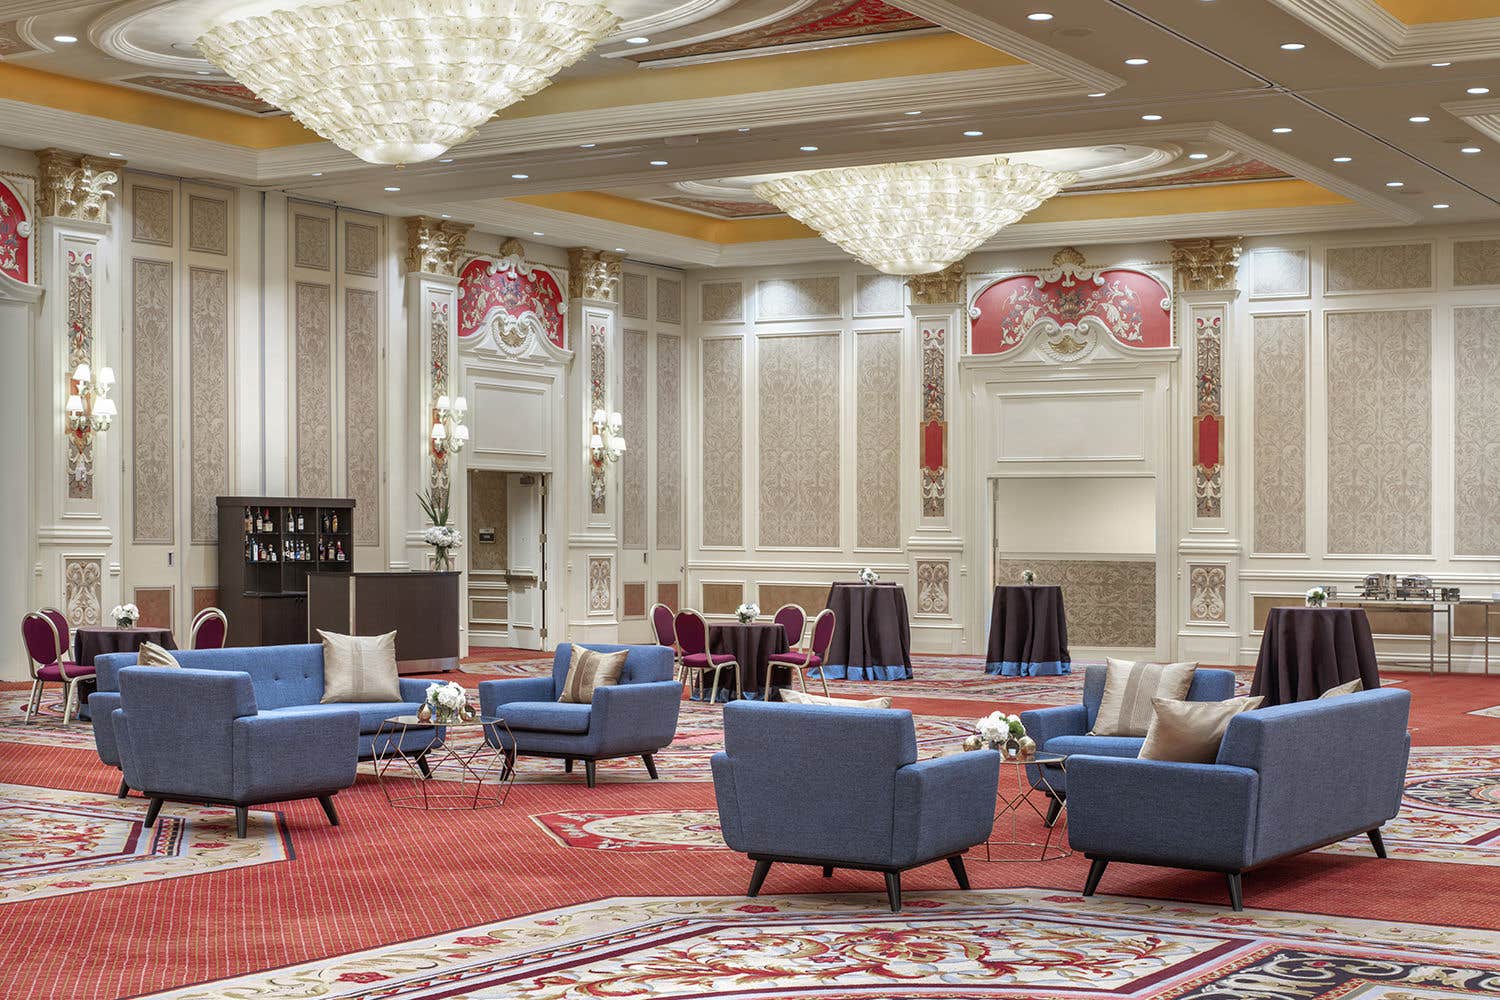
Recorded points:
(125,615)
(869,576)
(747,613)
(1316,597)
(1005,733)
(448,702)
(442,536)
(1028,576)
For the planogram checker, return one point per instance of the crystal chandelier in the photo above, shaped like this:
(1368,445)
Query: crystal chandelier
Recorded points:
(914,218)
(400,81)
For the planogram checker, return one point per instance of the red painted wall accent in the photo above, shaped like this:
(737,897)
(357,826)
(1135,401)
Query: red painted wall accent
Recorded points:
(15,249)
(1127,302)
(481,292)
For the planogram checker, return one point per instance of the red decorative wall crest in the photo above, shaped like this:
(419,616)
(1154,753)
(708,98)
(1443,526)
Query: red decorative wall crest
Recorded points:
(1071,305)
(15,236)
(490,287)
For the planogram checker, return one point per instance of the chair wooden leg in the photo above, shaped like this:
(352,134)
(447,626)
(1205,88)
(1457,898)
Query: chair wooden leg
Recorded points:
(1377,842)
(241,821)
(650,763)
(758,877)
(423,766)
(1236,891)
(152,811)
(1096,872)
(328,810)
(893,890)
(567,765)
(828,871)
(588,772)
(124,789)
(960,875)
(1054,809)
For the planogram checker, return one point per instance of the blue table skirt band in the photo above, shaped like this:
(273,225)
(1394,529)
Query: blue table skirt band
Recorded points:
(839,672)
(1044,669)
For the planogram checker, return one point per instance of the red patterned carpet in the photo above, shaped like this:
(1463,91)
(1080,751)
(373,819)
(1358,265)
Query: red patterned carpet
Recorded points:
(633,896)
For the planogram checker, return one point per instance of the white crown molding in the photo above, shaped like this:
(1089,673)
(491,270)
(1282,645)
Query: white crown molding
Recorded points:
(1483,114)
(776,50)
(1381,39)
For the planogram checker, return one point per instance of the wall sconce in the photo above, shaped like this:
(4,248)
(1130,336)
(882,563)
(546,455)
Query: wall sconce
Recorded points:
(449,433)
(89,407)
(605,443)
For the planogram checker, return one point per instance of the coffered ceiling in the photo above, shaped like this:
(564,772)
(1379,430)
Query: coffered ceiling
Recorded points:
(1185,117)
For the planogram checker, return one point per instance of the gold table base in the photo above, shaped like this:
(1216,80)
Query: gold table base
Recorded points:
(471,768)
(1012,806)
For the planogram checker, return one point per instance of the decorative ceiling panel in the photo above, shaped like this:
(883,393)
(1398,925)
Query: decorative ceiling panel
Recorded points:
(223,93)
(822,21)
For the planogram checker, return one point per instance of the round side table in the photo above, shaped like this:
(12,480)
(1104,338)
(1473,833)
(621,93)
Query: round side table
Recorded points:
(1014,797)
(441,775)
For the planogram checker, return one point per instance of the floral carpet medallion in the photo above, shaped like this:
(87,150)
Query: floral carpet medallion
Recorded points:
(635,830)
(1016,943)
(1493,712)
(46,728)
(54,841)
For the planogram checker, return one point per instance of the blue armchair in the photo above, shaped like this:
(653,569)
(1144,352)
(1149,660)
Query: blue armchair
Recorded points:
(840,787)
(195,736)
(636,717)
(1287,779)
(1065,730)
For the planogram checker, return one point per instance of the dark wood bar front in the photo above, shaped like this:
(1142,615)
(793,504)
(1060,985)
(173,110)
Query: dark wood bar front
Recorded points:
(421,608)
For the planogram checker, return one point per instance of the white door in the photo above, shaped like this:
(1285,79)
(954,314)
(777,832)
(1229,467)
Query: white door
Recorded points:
(524,574)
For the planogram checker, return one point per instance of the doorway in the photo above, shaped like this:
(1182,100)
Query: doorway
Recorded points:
(507,575)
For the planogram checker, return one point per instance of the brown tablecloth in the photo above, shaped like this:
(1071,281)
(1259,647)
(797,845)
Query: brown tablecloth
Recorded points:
(752,646)
(90,641)
(1306,651)
(872,633)
(1028,632)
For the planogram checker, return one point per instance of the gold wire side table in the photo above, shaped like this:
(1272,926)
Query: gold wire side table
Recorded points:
(441,775)
(1014,798)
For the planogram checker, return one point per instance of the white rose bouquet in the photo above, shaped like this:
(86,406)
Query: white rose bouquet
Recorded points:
(747,613)
(1317,597)
(1005,733)
(1028,576)
(448,702)
(125,615)
(869,576)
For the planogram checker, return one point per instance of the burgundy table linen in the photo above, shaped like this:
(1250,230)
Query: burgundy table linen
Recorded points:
(752,646)
(1028,632)
(1306,651)
(872,637)
(91,641)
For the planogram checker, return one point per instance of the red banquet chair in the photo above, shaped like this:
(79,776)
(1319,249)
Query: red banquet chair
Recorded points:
(210,630)
(692,636)
(46,646)
(799,661)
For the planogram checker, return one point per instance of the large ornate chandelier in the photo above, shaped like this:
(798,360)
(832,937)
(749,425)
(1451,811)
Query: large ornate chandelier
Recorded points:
(400,81)
(914,218)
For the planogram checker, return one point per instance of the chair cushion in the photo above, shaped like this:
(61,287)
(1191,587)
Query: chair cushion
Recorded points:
(54,671)
(1125,709)
(359,668)
(796,659)
(702,659)
(546,716)
(588,669)
(152,655)
(371,713)
(1095,746)
(1190,731)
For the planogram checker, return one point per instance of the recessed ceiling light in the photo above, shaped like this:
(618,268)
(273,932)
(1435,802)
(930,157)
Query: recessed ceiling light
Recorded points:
(446,159)
(911,114)
(1395,184)
(118,156)
(1419,119)
(1470,150)
(1098,93)
(587,145)
(317,173)
(1293,46)
(1342,159)
(745,129)
(204,72)
(65,39)
(619,249)
(973,133)
(1197,156)
(520,177)
(808,149)
(1150,118)
(1281,130)
(1478,90)
(658,163)
(538,234)
(1441,65)
(392,188)
(1040,15)
(1136,61)
(1442,204)
(445,215)
(637,40)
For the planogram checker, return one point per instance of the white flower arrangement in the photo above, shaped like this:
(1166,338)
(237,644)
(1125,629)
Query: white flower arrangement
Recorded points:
(1316,597)
(997,727)
(443,536)
(125,615)
(869,576)
(747,613)
(447,700)
(1028,576)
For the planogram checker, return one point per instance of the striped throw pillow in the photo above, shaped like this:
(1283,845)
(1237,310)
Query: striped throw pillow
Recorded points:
(1125,709)
(152,655)
(589,669)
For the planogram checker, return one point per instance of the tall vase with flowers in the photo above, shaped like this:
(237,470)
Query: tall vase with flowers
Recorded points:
(442,536)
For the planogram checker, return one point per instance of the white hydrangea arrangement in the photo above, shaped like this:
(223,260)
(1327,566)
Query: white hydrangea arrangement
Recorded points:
(443,536)
(868,575)
(1317,597)
(447,701)
(125,615)
(1002,732)
(747,613)
(1028,576)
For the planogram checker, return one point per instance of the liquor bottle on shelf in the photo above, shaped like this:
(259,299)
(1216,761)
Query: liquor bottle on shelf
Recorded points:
(340,546)
(247,550)
(299,522)
(248,522)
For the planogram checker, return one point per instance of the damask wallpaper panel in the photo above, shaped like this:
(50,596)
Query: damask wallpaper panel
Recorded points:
(723,408)
(878,295)
(633,465)
(1279,348)
(668,442)
(633,288)
(799,383)
(1476,262)
(1387,267)
(877,497)
(815,297)
(669,301)
(208,225)
(1476,437)
(1380,432)
(151,214)
(312,241)
(362,409)
(721,302)
(208,360)
(1108,603)
(361,249)
(153,453)
(1278,272)
(314,403)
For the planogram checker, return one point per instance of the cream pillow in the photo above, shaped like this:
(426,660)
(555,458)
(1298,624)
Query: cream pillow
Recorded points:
(360,668)
(152,655)
(801,698)
(588,669)
(1352,687)
(1191,731)
(1125,709)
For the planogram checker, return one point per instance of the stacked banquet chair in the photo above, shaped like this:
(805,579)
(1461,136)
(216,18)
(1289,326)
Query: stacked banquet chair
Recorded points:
(697,659)
(44,635)
(210,630)
(800,661)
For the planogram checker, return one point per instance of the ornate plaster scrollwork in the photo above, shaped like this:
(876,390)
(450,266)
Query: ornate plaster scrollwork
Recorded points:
(593,274)
(1209,264)
(434,246)
(938,288)
(75,186)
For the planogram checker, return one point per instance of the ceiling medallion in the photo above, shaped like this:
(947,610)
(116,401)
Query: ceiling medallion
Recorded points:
(914,218)
(402,81)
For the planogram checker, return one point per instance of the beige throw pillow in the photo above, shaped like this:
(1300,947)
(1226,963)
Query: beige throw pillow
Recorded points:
(1352,687)
(1125,709)
(360,668)
(589,669)
(802,698)
(152,655)
(1191,731)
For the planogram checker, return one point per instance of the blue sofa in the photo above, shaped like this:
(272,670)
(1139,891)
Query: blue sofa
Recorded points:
(1287,779)
(1065,729)
(635,717)
(839,787)
(284,679)
(195,736)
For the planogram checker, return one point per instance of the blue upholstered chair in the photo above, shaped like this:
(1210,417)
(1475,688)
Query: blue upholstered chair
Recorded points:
(195,736)
(1064,730)
(839,787)
(636,717)
(1287,779)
